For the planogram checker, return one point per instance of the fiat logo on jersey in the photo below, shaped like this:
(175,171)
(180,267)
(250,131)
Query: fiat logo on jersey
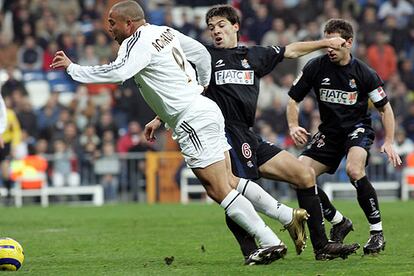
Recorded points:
(246,150)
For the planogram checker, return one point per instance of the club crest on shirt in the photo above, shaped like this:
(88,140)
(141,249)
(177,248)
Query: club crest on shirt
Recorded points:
(352,83)
(245,63)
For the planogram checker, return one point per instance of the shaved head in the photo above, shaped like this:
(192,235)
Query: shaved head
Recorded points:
(129,10)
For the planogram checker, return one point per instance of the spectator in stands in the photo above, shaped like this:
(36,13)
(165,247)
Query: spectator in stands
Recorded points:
(402,10)
(268,91)
(101,46)
(275,116)
(10,137)
(27,118)
(63,172)
(70,24)
(306,113)
(408,122)
(30,56)
(368,26)
(402,144)
(67,43)
(12,83)
(262,22)
(89,136)
(274,35)
(131,139)
(46,28)
(56,130)
(407,73)
(8,53)
(106,123)
(382,57)
(48,54)
(107,166)
(89,58)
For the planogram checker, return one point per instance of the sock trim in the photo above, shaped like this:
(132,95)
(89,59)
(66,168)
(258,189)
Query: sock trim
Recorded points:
(225,208)
(245,186)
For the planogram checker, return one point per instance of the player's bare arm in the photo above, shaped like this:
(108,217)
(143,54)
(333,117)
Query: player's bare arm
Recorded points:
(60,60)
(298,134)
(298,49)
(151,127)
(387,117)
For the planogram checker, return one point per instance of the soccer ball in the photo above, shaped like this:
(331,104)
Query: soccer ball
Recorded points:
(11,254)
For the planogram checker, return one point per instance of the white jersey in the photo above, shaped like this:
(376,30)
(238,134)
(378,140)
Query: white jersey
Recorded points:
(157,57)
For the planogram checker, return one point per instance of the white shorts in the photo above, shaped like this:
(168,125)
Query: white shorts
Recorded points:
(200,134)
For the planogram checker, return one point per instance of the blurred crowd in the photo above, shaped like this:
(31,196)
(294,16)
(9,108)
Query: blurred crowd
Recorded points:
(83,122)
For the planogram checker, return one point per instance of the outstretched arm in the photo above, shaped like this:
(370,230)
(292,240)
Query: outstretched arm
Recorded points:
(131,59)
(298,49)
(387,118)
(298,134)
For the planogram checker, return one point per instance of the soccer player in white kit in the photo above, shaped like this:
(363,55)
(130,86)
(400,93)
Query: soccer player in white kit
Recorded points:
(156,56)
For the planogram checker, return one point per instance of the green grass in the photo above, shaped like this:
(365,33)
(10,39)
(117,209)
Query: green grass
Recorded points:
(134,239)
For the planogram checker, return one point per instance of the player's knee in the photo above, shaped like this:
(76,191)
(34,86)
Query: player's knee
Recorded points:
(354,172)
(306,178)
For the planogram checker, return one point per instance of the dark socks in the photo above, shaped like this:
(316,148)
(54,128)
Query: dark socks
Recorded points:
(328,209)
(367,199)
(246,242)
(309,200)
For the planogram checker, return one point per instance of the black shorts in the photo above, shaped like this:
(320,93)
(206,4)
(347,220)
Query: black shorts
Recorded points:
(329,149)
(249,151)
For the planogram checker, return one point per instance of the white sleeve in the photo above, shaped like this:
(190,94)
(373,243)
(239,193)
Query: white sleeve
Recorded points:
(3,116)
(132,58)
(197,54)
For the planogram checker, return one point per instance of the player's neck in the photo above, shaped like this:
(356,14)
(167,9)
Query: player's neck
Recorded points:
(346,60)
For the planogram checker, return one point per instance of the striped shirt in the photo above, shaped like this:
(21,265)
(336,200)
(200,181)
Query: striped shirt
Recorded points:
(157,57)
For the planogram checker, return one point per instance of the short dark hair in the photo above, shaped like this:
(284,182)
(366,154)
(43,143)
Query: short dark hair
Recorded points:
(340,26)
(225,11)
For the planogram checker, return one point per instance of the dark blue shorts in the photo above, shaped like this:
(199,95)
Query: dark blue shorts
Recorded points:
(329,149)
(249,151)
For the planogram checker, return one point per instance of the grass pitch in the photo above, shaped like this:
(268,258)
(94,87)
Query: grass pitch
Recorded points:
(137,239)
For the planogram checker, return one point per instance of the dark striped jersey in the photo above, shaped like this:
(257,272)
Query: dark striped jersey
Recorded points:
(235,75)
(342,92)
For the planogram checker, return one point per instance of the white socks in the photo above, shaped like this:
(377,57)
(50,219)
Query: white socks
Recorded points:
(376,226)
(241,211)
(263,202)
(337,218)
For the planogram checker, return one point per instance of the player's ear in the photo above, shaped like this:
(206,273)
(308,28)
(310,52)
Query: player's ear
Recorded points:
(349,42)
(236,27)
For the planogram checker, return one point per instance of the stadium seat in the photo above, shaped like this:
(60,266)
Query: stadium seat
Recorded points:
(59,81)
(65,98)
(36,75)
(39,92)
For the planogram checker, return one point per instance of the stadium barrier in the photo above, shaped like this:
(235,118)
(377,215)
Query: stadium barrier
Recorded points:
(406,185)
(194,188)
(96,191)
(393,187)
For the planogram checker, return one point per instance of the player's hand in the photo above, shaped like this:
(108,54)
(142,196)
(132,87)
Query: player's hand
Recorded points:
(336,43)
(60,60)
(150,128)
(299,135)
(393,157)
